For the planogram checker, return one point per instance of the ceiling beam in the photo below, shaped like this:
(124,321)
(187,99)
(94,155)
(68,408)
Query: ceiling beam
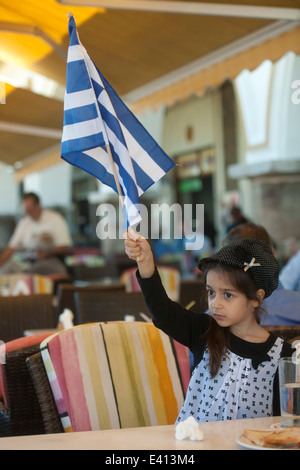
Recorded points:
(30,130)
(20,77)
(34,30)
(192,8)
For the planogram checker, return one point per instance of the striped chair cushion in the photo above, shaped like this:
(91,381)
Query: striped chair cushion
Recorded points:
(170,278)
(25,284)
(113,375)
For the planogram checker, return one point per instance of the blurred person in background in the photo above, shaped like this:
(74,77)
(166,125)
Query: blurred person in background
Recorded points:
(236,218)
(46,261)
(26,235)
(289,275)
(283,305)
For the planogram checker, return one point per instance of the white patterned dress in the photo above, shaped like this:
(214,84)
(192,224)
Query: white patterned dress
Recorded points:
(237,391)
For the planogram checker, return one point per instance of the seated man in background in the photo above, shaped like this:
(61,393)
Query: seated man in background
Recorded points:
(283,305)
(46,261)
(35,222)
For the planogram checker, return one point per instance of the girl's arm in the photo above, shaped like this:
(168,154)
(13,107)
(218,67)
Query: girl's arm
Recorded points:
(183,325)
(138,249)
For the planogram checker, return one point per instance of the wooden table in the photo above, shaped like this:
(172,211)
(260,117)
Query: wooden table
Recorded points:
(219,435)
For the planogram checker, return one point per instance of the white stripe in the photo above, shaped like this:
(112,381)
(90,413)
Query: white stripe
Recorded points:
(100,155)
(55,387)
(79,98)
(91,67)
(141,157)
(133,214)
(81,129)
(75,53)
(126,162)
(122,152)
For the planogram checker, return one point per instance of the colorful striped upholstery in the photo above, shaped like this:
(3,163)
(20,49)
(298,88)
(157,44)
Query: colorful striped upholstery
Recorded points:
(25,284)
(113,375)
(170,278)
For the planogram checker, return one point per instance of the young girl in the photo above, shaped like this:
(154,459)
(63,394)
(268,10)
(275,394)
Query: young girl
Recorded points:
(236,359)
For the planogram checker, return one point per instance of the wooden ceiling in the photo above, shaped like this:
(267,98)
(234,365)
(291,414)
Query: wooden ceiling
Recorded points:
(131,48)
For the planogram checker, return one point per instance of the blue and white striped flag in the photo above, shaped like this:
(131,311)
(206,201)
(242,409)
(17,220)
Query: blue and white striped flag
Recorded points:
(98,125)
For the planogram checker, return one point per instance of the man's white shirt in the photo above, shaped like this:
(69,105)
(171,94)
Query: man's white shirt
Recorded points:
(28,231)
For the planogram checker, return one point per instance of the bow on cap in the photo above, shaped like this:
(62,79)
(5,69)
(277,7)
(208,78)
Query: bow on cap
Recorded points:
(249,265)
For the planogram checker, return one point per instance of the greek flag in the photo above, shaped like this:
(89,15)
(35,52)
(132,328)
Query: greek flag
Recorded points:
(101,135)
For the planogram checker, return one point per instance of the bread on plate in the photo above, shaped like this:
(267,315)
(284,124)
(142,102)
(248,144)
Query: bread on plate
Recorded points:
(283,438)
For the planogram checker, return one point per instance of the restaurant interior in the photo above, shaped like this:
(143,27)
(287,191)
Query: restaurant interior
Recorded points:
(217,86)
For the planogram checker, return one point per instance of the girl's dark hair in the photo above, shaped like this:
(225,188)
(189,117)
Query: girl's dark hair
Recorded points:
(217,337)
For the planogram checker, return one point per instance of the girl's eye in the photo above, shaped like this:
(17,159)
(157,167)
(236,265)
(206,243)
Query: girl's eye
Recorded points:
(228,295)
(210,292)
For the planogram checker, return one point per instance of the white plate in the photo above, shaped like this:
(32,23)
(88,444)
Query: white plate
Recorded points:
(244,442)
(247,444)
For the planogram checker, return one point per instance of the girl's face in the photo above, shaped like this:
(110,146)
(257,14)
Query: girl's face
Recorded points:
(228,306)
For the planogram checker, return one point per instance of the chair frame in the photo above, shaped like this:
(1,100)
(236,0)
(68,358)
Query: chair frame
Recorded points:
(104,306)
(287,332)
(51,419)
(66,295)
(23,415)
(19,313)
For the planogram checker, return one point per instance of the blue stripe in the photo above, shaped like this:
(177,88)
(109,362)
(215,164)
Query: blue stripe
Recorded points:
(72,32)
(82,144)
(80,114)
(143,179)
(136,129)
(93,167)
(77,76)
(110,120)
(113,124)
(98,88)
(128,182)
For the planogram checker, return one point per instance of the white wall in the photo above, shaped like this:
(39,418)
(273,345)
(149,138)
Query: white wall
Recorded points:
(52,184)
(153,121)
(196,114)
(269,116)
(269,146)
(8,191)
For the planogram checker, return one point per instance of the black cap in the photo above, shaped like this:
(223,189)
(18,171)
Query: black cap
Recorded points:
(249,255)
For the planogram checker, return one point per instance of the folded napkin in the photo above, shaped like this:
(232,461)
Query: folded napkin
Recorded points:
(189,429)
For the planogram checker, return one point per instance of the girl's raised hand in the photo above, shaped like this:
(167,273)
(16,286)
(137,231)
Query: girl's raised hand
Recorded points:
(138,249)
